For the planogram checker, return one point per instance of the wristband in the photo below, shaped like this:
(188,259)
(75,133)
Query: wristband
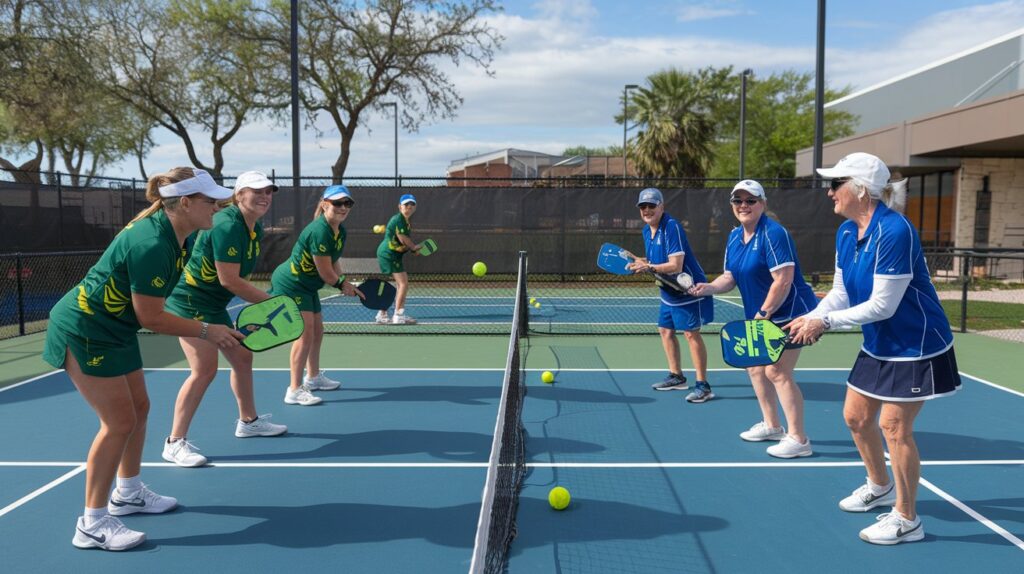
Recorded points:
(762,313)
(203,330)
(825,321)
(338,283)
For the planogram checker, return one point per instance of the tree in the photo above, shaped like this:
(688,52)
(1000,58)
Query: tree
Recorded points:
(780,121)
(169,61)
(356,53)
(674,114)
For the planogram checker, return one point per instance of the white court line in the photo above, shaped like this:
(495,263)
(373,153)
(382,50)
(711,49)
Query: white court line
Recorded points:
(27,381)
(974,514)
(483,464)
(991,384)
(80,468)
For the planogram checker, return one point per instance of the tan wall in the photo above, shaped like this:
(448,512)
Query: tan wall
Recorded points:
(1006,181)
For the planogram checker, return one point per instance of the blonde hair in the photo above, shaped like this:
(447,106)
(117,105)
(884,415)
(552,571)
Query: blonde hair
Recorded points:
(893,195)
(319,208)
(156,203)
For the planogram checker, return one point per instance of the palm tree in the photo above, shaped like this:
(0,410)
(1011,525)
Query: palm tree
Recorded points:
(676,134)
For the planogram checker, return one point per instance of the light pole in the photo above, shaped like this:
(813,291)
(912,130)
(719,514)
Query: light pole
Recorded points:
(394,105)
(625,126)
(743,118)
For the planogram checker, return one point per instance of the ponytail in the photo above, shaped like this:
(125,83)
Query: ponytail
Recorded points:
(894,195)
(156,202)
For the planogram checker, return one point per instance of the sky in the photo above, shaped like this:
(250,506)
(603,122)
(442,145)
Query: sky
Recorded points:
(559,75)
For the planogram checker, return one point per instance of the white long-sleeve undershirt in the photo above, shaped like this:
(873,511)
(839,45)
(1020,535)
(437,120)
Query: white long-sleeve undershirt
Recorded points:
(886,293)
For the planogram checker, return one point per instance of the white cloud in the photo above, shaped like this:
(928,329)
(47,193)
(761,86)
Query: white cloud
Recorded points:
(693,12)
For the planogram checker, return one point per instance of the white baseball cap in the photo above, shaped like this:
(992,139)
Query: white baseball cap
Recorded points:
(864,168)
(253,180)
(201,183)
(750,186)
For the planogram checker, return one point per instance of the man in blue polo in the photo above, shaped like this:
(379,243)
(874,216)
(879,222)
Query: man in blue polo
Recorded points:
(668,251)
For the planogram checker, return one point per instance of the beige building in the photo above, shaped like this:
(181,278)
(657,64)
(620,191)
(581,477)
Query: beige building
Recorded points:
(956,129)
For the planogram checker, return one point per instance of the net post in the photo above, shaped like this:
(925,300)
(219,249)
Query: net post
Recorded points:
(524,316)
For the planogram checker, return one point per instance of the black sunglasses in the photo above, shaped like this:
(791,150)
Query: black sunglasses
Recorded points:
(835,184)
(738,201)
(647,205)
(343,203)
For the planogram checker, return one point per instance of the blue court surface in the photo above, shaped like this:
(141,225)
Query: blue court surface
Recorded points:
(387,476)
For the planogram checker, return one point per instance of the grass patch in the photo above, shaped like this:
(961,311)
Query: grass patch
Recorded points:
(986,315)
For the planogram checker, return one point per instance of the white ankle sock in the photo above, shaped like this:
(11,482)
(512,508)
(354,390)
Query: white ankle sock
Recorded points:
(879,490)
(91,515)
(129,485)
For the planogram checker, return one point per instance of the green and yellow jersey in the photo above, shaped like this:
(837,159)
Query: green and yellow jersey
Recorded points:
(143,258)
(199,292)
(299,270)
(390,245)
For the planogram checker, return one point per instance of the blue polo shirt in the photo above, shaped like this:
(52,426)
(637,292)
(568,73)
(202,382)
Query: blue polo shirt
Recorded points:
(752,263)
(890,247)
(670,239)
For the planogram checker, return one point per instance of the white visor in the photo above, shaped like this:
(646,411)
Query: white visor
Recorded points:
(201,183)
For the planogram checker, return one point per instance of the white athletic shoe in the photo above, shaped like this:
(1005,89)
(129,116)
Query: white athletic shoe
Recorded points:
(259,427)
(183,453)
(789,447)
(382,318)
(891,528)
(301,396)
(108,533)
(761,432)
(145,501)
(321,382)
(402,319)
(862,500)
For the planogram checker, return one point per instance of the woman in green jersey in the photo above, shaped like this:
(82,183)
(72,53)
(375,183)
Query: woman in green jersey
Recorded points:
(313,264)
(390,252)
(92,334)
(216,272)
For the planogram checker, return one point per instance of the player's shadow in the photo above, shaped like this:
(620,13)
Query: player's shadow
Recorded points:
(47,387)
(443,445)
(456,394)
(999,510)
(948,446)
(566,394)
(330,524)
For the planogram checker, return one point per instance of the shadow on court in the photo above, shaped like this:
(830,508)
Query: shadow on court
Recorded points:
(443,445)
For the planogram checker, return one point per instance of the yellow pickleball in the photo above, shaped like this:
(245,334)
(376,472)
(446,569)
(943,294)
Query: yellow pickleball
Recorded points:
(547,377)
(479,269)
(378,229)
(559,498)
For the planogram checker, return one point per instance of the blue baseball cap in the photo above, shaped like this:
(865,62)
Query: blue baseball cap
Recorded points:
(337,192)
(650,195)
(407,198)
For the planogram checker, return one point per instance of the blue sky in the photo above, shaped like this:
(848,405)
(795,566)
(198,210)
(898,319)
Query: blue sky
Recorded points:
(560,73)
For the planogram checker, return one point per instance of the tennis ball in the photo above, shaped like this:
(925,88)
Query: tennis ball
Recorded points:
(547,377)
(533,300)
(378,229)
(536,304)
(559,498)
(479,269)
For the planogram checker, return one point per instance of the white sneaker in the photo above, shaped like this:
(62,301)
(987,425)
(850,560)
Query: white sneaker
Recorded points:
(321,382)
(259,427)
(301,396)
(862,500)
(183,453)
(402,319)
(789,447)
(145,501)
(382,318)
(892,528)
(108,533)
(761,432)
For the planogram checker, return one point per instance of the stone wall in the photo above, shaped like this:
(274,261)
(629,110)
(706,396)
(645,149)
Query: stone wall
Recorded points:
(1006,182)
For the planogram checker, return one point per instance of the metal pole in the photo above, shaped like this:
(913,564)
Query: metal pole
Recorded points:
(963,294)
(395,106)
(60,212)
(21,294)
(819,92)
(625,127)
(743,119)
(296,168)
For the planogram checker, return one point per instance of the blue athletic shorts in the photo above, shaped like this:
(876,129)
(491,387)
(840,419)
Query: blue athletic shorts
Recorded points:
(687,317)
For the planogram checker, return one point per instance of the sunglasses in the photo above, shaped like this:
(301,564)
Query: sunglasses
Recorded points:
(647,205)
(835,184)
(738,201)
(342,203)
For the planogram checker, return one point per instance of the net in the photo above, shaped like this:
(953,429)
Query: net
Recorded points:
(507,466)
